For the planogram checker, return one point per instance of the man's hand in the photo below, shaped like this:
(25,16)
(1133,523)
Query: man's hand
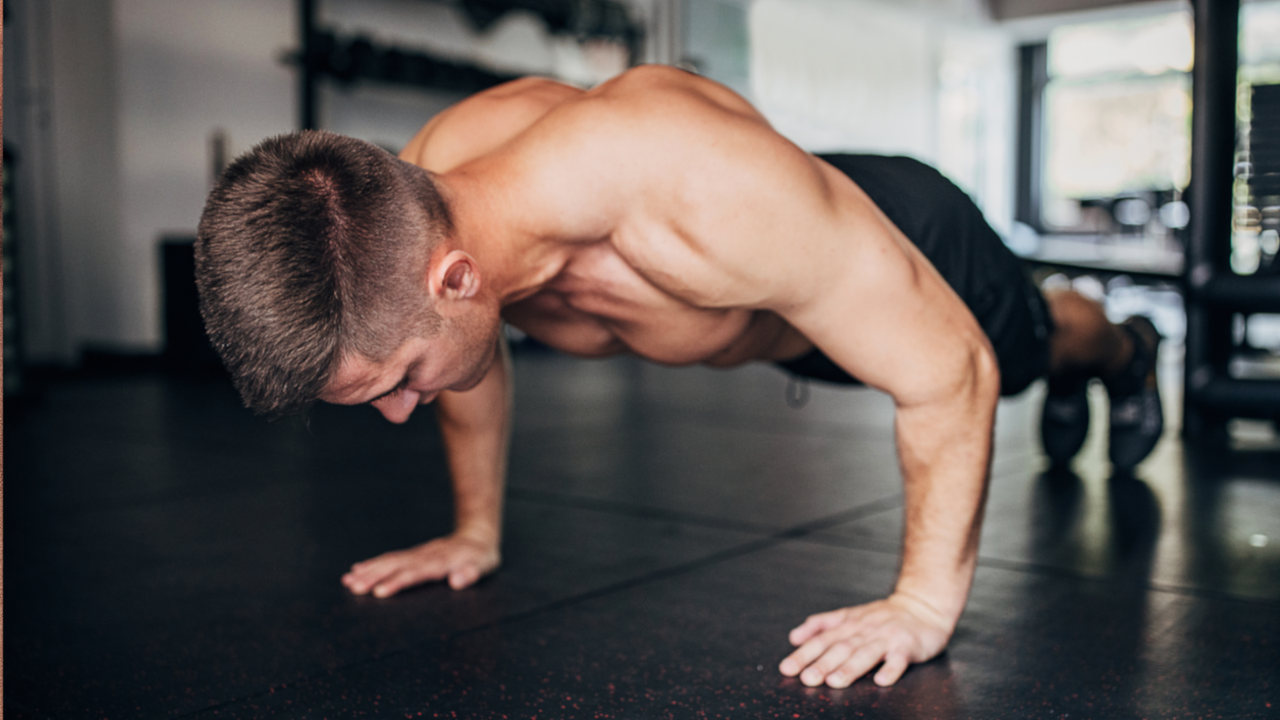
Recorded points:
(460,559)
(840,646)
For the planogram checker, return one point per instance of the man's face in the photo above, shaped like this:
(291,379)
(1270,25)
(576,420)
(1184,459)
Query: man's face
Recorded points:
(417,372)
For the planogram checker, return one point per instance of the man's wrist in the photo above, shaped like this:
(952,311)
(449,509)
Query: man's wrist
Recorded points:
(482,532)
(940,605)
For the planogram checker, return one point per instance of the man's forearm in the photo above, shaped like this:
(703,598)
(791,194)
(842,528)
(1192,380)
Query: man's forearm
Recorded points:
(475,426)
(944,443)
(945,451)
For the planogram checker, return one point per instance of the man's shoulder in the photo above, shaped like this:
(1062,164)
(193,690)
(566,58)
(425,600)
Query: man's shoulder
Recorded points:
(538,93)
(654,96)
(659,89)
(645,114)
(651,77)
(484,122)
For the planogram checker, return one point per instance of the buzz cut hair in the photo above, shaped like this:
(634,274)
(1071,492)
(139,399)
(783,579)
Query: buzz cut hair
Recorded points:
(313,248)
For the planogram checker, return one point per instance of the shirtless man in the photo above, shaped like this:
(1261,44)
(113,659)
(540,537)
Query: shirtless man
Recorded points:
(658,214)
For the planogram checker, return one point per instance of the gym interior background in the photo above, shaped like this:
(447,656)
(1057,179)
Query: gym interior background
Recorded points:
(167,554)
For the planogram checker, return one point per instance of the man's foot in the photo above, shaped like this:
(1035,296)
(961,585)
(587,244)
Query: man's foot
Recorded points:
(1064,423)
(1137,420)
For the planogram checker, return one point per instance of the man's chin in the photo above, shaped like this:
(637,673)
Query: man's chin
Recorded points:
(475,379)
(481,370)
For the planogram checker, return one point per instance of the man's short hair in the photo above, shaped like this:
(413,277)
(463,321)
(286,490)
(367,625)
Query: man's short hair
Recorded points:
(313,248)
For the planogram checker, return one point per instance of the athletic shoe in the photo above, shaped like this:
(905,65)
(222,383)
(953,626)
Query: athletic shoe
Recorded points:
(1137,420)
(1064,423)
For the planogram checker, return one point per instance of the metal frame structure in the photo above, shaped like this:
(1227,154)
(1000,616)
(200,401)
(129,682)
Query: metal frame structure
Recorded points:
(1214,294)
(325,53)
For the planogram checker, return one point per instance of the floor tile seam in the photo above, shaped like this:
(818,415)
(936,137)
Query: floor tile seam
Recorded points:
(1211,594)
(1112,579)
(647,512)
(1009,456)
(826,429)
(852,514)
(820,430)
(684,568)
(862,544)
(141,500)
(877,546)
(1030,568)
(713,559)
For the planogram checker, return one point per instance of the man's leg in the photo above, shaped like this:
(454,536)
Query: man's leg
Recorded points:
(1084,342)
(1084,345)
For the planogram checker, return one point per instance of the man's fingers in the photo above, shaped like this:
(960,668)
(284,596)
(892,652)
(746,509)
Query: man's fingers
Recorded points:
(792,664)
(393,584)
(811,650)
(815,625)
(462,577)
(407,577)
(416,574)
(816,674)
(859,664)
(385,576)
(884,633)
(801,634)
(459,561)
(842,662)
(894,666)
(362,580)
(801,658)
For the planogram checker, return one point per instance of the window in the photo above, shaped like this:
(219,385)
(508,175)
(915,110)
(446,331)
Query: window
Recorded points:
(1106,146)
(1104,141)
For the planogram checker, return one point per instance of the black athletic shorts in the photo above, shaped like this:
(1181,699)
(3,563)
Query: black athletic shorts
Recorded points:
(949,229)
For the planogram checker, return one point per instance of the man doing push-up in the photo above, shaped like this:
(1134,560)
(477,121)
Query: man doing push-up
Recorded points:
(658,214)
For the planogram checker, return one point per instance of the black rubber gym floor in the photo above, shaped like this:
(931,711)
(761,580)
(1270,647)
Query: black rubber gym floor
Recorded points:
(169,555)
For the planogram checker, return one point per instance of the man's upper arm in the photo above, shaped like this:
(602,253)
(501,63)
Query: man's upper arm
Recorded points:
(861,291)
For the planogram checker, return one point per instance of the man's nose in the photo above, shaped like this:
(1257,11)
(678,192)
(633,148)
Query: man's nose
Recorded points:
(398,407)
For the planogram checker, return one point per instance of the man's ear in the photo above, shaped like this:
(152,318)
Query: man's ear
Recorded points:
(455,276)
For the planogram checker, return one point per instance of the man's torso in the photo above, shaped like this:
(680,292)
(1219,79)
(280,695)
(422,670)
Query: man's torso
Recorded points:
(598,304)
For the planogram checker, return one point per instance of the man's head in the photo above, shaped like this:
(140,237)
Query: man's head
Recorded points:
(312,249)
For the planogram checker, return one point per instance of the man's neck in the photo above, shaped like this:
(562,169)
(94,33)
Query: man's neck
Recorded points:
(515,260)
